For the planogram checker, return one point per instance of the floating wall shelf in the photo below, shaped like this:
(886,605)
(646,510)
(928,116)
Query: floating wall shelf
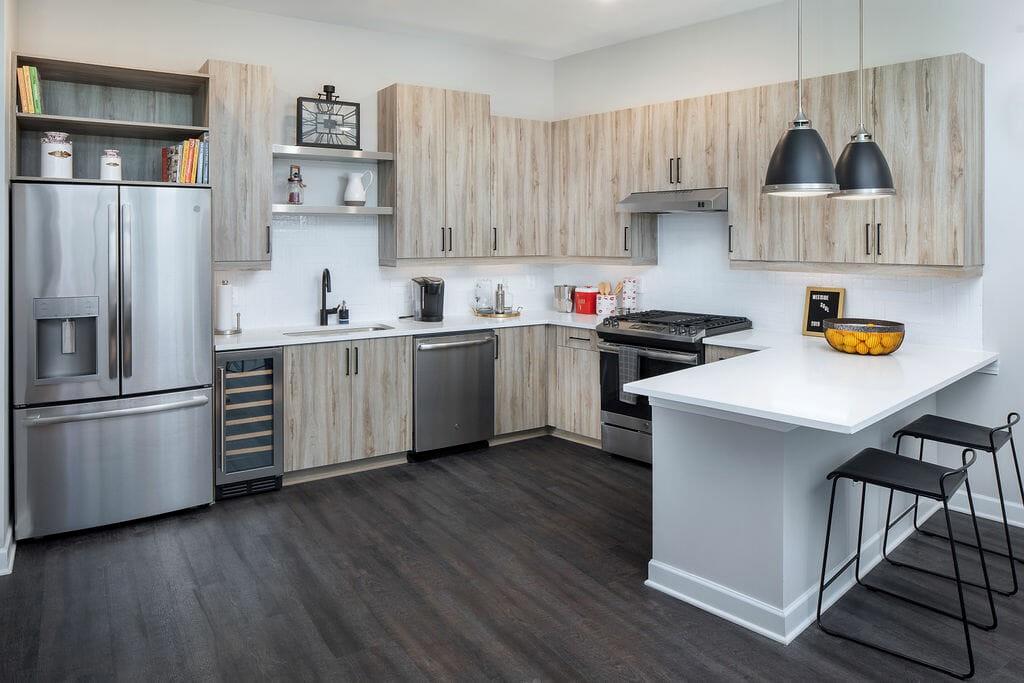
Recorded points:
(80,125)
(325,154)
(97,181)
(304,209)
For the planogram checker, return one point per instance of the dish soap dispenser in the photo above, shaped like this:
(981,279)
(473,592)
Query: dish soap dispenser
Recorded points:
(343,314)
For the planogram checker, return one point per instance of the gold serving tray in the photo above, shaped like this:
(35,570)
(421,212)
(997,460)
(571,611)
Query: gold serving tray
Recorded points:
(491,314)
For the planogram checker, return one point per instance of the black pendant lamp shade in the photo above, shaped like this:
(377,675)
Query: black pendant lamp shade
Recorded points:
(800,165)
(862,171)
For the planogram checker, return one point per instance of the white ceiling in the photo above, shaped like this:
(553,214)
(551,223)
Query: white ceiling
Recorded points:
(547,29)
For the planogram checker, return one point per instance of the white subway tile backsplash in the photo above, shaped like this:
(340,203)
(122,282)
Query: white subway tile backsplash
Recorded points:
(693,274)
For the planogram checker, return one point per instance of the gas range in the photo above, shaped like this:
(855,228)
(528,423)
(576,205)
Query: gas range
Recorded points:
(668,329)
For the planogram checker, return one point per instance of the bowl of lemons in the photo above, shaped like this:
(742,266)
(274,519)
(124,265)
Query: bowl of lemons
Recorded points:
(863,336)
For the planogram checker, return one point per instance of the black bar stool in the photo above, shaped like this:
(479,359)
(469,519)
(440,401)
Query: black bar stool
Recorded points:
(975,437)
(922,479)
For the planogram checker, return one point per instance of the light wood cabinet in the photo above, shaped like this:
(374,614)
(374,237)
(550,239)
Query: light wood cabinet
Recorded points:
(317,405)
(713,354)
(381,396)
(411,124)
(467,205)
(347,400)
(576,392)
(831,230)
(520,379)
(702,125)
(521,191)
(762,227)
(929,123)
(440,182)
(241,123)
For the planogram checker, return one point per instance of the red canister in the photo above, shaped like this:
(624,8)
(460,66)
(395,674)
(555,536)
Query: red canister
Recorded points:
(586,300)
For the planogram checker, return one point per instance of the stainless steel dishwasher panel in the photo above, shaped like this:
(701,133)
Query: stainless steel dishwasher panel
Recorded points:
(453,390)
(89,464)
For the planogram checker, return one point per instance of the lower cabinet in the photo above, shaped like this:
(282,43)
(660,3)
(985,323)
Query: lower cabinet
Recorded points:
(713,354)
(347,400)
(520,379)
(574,389)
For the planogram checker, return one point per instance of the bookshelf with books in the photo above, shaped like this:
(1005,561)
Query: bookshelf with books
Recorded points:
(140,112)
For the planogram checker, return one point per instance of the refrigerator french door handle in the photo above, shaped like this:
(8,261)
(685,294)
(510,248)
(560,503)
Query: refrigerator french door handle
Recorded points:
(126,287)
(112,294)
(40,421)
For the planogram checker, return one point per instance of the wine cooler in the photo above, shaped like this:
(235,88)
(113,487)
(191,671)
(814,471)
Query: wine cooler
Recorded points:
(250,441)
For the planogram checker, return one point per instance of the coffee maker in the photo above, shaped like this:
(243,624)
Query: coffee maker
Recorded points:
(428,299)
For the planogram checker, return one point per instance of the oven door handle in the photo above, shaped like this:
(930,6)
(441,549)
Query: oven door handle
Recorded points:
(655,354)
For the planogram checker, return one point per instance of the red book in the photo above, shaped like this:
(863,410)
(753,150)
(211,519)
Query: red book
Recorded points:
(163,165)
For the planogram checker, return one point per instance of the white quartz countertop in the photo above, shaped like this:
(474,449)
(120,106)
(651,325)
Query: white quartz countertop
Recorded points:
(278,336)
(800,381)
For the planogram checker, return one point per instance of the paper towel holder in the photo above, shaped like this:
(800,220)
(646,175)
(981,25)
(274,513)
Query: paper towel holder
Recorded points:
(237,329)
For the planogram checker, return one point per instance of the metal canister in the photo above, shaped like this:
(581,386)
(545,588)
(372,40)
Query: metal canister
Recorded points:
(564,298)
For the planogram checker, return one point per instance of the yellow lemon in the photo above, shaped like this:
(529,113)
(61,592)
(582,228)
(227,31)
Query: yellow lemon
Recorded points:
(861,336)
(877,350)
(862,348)
(873,340)
(850,348)
(849,339)
(889,340)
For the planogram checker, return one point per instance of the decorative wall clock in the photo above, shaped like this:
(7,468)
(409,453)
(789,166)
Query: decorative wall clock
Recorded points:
(326,121)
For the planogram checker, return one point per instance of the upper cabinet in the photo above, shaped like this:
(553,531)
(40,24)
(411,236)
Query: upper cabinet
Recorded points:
(439,183)
(521,192)
(926,115)
(762,227)
(928,119)
(240,114)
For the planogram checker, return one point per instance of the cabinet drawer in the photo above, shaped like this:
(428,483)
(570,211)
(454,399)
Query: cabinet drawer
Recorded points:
(576,338)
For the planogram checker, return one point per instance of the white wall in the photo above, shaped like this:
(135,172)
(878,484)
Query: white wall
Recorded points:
(304,55)
(8,26)
(759,47)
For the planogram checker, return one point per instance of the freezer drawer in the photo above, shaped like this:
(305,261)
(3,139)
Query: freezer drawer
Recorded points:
(453,390)
(103,462)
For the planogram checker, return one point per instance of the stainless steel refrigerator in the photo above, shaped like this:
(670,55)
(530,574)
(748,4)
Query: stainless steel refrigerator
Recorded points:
(112,353)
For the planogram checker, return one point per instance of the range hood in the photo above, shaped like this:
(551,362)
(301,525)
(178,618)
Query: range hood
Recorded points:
(677,201)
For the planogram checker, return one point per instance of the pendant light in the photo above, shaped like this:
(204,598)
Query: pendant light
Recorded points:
(801,165)
(862,171)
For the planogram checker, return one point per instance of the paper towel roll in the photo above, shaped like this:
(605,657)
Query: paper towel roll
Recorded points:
(224,309)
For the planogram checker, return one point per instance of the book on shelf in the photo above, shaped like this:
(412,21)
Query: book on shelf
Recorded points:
(186,162)
(29,91)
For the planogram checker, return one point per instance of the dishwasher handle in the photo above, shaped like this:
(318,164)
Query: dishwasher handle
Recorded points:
(436,346)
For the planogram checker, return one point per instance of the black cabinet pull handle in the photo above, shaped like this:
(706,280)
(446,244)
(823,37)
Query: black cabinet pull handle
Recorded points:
(730,239)
(348,365)
(355,351)
(878,238)
(670,181)
(867,239)
(497,343)
(625,238)
(268,239)
(449,239)
(442,239)
(495,239)
(679,174)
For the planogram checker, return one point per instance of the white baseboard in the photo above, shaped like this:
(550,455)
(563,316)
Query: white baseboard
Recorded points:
(782,625)
(7,552)
(987,507)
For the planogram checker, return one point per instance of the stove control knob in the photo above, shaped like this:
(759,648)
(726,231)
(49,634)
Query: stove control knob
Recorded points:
(691,331)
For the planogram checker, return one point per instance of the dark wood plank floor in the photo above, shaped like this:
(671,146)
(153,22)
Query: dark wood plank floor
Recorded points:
(522,562)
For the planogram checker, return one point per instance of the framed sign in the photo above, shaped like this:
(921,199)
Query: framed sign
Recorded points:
(820,304)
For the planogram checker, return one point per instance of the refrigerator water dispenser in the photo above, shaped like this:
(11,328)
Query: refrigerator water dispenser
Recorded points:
(66,337)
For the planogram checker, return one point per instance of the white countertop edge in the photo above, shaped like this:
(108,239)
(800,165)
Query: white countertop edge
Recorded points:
(666,398)
(261,338)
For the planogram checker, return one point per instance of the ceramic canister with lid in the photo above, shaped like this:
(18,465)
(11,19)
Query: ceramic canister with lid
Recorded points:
(56,155)
(110,165)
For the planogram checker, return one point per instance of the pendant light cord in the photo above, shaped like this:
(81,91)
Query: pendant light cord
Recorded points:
(800,61)
(860,68)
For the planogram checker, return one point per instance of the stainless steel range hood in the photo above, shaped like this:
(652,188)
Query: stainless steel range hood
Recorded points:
(677,201)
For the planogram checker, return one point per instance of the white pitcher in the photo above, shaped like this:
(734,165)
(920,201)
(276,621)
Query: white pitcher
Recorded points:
(355,190)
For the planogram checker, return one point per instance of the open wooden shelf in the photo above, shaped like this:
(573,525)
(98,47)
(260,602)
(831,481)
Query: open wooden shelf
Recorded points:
(79,125)
(326,154)
(300,209)
(53,69)
(97,181)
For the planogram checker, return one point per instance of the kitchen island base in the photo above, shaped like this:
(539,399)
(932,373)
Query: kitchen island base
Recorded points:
(739,511)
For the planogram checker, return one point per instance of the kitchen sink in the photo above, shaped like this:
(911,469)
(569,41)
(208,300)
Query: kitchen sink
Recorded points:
(338,331)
